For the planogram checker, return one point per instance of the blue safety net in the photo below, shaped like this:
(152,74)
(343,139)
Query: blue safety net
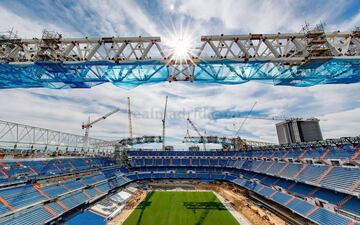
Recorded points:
(60,75)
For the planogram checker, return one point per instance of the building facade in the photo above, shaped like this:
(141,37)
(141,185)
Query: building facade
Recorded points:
(299,130)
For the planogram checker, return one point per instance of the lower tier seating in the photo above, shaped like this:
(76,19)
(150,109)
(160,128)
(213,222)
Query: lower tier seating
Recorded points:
(304,191)
(56,198)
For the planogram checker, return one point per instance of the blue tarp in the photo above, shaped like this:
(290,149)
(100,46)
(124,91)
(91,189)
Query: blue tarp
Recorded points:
(61,75)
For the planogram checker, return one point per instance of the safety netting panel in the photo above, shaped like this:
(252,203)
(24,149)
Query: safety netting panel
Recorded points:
(58,75)
(314,72)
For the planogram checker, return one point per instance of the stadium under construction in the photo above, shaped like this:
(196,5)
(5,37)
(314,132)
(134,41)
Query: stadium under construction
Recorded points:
(53,177)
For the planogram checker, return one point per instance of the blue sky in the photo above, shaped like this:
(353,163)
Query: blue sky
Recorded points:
(337,106)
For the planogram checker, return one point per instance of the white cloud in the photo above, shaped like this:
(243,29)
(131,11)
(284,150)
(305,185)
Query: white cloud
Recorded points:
(347,25)
(341,124)
(24,27)
(329,102)
(261,16)
(123,18)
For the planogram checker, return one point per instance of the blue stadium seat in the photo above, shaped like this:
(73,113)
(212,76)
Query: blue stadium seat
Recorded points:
(341,178)
(54,190)
(74,199)
(281,198)
(301,207)
(330,196)
(312,173)
(325,217)
(33,216)
(55,207)
(302,190)
(352,206)
(276,167)
(21,196)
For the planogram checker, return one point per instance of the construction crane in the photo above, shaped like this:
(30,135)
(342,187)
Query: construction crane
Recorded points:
(163,125)
(246,117)
(197,131)
(89,124)
(129,118)
(275,118)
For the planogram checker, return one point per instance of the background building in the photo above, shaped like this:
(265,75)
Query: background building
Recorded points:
(298,130)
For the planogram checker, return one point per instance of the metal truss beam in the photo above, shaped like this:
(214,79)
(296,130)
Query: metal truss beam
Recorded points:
(15,136)
(285,48)
(293,59)
(256,145)
(225,141)
(333,141)
(129,141)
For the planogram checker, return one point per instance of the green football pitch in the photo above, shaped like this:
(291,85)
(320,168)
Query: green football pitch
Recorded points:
(181,208)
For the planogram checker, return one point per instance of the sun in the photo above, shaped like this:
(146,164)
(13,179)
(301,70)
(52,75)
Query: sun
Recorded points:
(180,46)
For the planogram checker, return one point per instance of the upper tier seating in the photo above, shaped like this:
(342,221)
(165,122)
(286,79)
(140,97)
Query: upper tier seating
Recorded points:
(345,152)
(21,170)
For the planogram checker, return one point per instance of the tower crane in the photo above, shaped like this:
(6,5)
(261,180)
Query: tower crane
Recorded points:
(245,118)
(275,118)
(129,118)
(197,131)
(163,125)
(89,124)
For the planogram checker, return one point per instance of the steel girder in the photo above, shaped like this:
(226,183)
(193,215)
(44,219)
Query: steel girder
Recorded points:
(258,145)
(129,141)
(225,141)
(25,137)
(333,141)
(298,59)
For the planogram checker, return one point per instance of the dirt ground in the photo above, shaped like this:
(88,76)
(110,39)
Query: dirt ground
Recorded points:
(254,214)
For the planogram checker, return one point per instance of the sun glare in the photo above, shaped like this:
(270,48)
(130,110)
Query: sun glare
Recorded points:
(180,46)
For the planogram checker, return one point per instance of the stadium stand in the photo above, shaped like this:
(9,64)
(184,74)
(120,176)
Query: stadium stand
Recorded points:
(290,170)
(46,189)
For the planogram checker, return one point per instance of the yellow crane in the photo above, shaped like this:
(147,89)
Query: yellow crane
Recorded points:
(129,118)
(163,124)
(89,124)
(197,131)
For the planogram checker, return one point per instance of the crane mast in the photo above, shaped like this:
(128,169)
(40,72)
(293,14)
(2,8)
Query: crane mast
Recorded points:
(129,118)
(197,131)
(90,124)
(163,125)
(246,117)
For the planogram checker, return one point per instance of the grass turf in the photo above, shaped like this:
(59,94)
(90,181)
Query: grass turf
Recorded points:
(181,208)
